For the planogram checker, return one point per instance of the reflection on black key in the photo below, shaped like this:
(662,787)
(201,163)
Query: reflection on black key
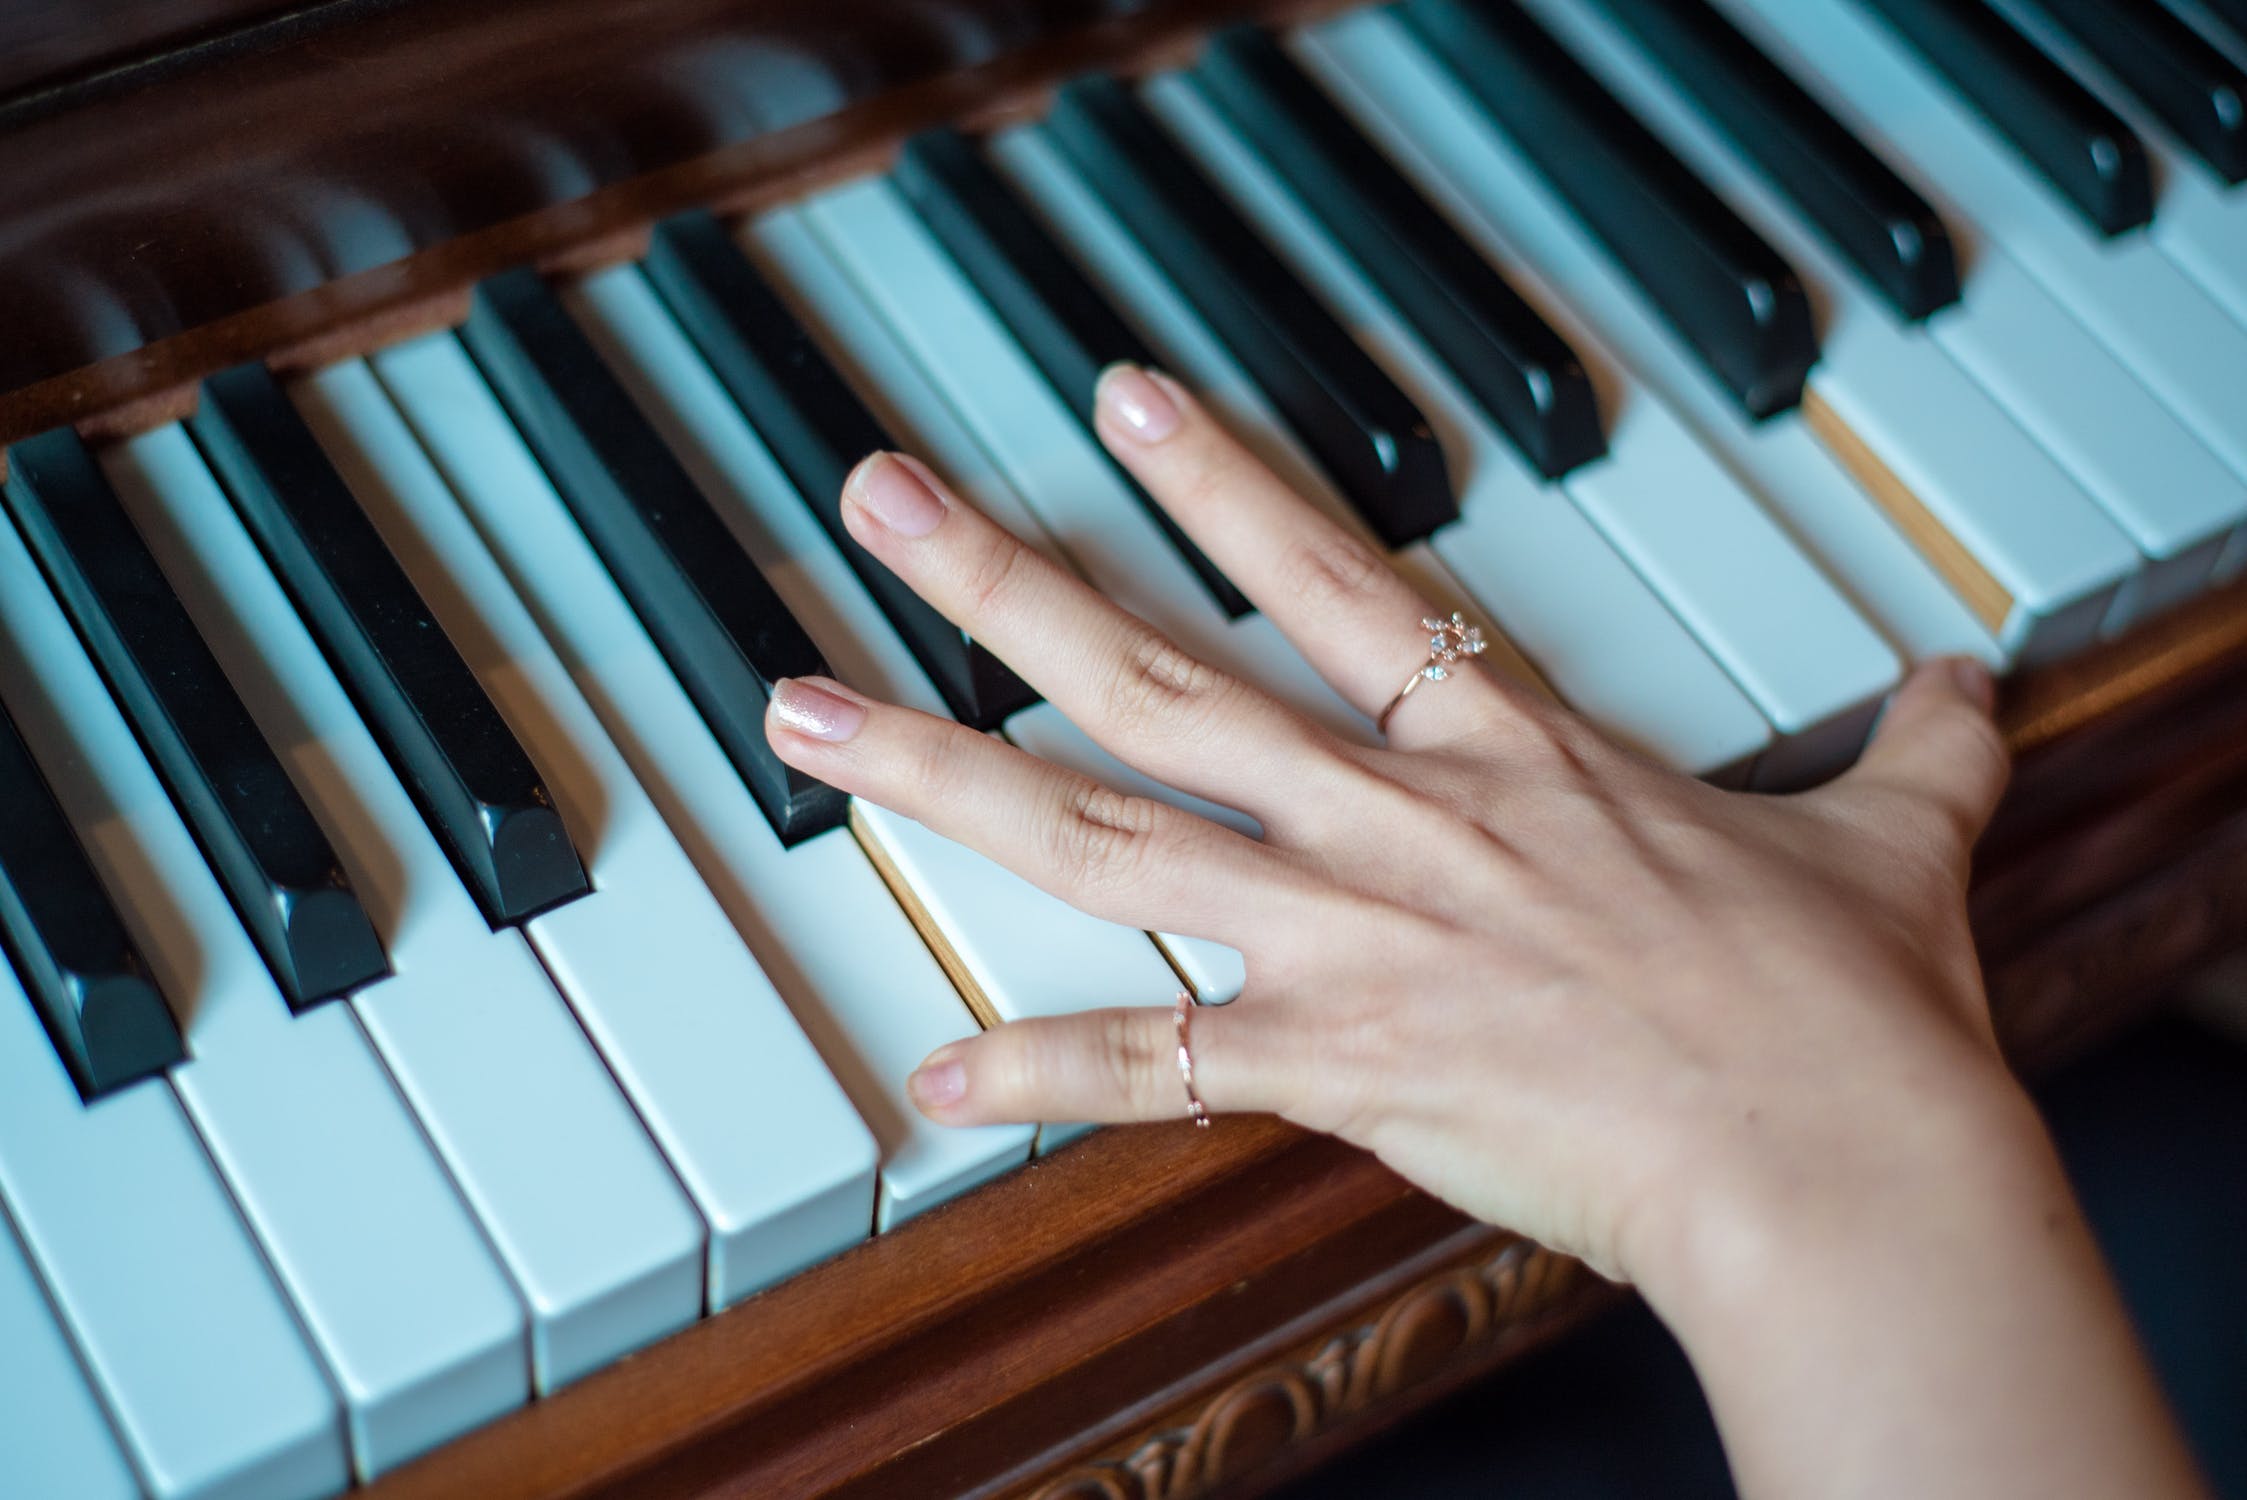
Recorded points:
(1365,432)
(1060,319)
(717,621)
(2172,69)
(818,429)
(1521,372)
(272,858)
(2081,147)
(1727,292)
(93,993)
(464,767)
(1864,209)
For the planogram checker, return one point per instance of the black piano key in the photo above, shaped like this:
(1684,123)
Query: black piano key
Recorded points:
(1509,358)
(1057,315)
(1365,432)
(2080,146)
(717,621)
(1891,234)
(1734,299)
(467,772)
(2181,77)
(269,853)
(93,993)
(817,429)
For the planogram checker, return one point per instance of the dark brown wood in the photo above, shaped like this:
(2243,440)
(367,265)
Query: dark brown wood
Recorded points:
(323,168)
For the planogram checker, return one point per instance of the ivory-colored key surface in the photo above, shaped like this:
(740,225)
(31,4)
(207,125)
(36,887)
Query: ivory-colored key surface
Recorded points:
(817,916)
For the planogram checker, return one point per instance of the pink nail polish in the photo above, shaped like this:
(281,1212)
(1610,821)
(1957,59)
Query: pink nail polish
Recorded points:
(939,1081)
(893,494)
(1134,403)
(816,708)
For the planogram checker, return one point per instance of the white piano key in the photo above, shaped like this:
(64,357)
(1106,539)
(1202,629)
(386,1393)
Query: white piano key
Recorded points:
(603,1249)
(2060,533)
(2169,332)
(415,1320)
(1049,460)
(818,917)
(678,1007)
(91,1190)
(54,1439)
(2199,221)
(1769,617)
(1026,953)
(884,375)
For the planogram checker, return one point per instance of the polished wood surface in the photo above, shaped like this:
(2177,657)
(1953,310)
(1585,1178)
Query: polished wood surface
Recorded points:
(1153,1312)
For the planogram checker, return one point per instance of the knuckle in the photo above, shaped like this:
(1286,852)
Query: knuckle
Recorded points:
(1132,1059)
(1330,569)
(1162,683)
(1103,836)
(992,577)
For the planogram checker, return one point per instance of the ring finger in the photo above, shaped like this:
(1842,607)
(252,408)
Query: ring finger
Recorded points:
(1329,590)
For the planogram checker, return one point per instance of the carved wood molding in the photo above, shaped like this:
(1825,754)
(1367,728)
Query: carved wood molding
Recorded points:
(1455,1317)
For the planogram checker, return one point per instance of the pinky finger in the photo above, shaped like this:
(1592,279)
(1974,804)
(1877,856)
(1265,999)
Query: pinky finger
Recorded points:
(1104,1067)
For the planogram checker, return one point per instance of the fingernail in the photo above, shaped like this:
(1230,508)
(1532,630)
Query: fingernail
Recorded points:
(888,489)
(939,1081)
(1131,399)
(1974,680)
(816,709)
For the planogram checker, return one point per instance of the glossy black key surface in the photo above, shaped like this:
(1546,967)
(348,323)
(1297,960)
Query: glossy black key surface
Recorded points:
(1054,312)
(1521,372)
(270,855)
(818,429)
(93,994)
(717,621)
(1364,431)
(2181,77)
(2079,145)
(1733,298)
(469,775)
(1854,199)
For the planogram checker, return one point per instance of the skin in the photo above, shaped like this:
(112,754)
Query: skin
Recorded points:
(1733,1049)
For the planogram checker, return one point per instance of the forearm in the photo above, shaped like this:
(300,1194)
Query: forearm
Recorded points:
(1957,1336)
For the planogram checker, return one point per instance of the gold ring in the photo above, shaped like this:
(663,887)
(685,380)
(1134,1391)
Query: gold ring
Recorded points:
(1451,642)
(1182,1015)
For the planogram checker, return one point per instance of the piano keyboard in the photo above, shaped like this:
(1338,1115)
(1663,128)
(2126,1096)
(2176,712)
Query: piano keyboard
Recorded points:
(422,987)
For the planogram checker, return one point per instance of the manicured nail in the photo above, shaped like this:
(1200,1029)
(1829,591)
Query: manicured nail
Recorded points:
(816,708)
(1974,680)
(1132,400)
(939,1081)
(893,494)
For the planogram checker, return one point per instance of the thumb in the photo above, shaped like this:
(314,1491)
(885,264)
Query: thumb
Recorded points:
(1939,745)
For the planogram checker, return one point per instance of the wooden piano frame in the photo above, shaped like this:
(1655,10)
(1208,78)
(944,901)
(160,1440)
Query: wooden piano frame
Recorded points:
(1151,1314)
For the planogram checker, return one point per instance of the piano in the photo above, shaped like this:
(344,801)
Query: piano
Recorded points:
(443,1053)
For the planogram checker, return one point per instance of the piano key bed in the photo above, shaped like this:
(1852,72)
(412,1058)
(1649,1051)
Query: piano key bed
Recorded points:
(443,1050)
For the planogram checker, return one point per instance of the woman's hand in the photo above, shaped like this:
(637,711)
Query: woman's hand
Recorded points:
(1733,1048)
(1563,988)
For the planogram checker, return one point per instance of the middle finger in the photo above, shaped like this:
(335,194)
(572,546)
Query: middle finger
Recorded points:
(1143,698)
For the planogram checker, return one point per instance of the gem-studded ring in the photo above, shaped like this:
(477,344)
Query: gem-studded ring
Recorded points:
(1450,642)
(1182,1017)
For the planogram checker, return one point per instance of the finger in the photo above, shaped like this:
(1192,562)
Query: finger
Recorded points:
(1104,1067)
(1128,859)
(1328,589)
(1938,744)
(1119,679)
